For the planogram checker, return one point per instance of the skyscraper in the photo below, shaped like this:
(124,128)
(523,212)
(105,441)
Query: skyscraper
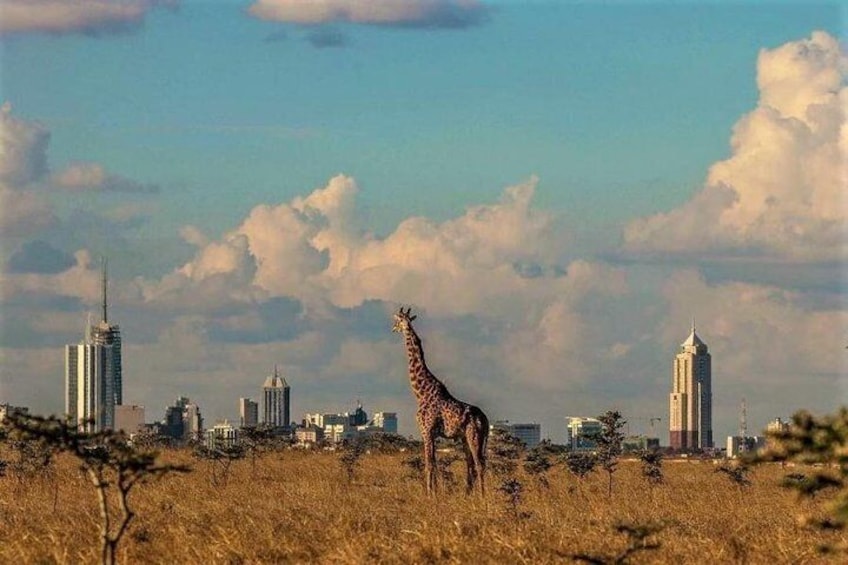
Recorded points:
(275,399)
(183,420)
(109,337)
(248,413)
(93,379)
(691,399)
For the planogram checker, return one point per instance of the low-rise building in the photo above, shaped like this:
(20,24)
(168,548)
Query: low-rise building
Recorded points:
(639,443)
(336,433)
(340,427)
(129,418)
(9,409)
(309,434)
(529,434)
(382,422)
(222,434)
(737,445)
(581,431)
(778,425)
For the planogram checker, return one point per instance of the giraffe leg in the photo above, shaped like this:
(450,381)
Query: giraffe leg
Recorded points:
(476,437)
(430,464)
(469,467)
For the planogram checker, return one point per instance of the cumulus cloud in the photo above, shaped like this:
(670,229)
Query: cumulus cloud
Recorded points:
(781,194)
(27,189)
(23,149)
(92,176)
(82,280)
(312,249)
(90,17)
(23,213)
(23,163)
(404,13)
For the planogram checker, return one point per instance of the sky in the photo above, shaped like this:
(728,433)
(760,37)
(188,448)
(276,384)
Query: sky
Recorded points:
(556,188)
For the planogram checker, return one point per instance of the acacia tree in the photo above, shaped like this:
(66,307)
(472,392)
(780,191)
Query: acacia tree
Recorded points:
(608,442)
(111,464)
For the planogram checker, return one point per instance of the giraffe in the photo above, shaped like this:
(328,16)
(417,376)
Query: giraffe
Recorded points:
(440,414)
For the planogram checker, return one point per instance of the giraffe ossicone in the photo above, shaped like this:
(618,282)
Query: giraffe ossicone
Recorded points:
(439,414)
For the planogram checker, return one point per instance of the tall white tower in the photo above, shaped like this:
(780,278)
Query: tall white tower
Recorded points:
(93,382)
(691,398)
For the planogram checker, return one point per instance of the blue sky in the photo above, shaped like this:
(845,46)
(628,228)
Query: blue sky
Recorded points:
(429,121)
(620,110)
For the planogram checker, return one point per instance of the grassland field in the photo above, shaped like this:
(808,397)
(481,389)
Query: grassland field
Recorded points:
(298,506)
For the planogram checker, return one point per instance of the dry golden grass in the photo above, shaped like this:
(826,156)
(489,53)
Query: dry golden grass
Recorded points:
(297,507)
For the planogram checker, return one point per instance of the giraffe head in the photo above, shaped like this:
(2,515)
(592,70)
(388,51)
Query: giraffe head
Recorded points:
(402,320)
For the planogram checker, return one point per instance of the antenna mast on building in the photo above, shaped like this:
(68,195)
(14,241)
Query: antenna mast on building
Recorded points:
(743,419)
(103,285)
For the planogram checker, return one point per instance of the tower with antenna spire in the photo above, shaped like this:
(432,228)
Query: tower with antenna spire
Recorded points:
(276,398)
(93,371)
(690,401)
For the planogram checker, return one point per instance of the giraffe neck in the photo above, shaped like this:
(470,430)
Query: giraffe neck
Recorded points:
(419,374)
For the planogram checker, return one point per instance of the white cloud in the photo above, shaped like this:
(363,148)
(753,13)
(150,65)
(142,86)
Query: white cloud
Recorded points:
(194,236)
(410,13)
(781,195)
(82,280)
(23,163)
(28,189)
(92,17)
(23,150)
(24,213)
(312,249)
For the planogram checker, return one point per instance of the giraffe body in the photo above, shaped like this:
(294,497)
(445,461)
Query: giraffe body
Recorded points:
(440,414)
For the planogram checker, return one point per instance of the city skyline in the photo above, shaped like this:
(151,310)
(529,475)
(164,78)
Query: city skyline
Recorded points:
(556,188)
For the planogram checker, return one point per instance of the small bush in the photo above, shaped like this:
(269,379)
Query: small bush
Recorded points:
(652,467)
